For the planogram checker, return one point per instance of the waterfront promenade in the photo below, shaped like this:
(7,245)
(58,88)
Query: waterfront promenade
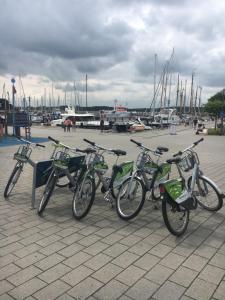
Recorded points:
(103,257)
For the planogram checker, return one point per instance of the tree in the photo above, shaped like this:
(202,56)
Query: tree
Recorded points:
(215,106)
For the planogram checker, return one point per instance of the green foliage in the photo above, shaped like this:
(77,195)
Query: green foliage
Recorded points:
(216,104)
(213,131)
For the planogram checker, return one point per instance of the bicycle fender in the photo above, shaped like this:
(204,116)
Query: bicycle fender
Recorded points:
(213,183)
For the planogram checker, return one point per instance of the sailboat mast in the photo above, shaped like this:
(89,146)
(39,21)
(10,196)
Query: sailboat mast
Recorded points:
(154,83)
(178,82)
(191,97)
(86,92)
(199,101)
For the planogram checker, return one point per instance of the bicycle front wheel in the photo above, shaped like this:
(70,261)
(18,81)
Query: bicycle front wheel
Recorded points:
(176,220)
(206,194)
(13,179)
(47,193)
(130,198)
(83,197)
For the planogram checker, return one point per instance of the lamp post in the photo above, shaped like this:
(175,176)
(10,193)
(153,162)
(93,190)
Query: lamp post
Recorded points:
(13,102)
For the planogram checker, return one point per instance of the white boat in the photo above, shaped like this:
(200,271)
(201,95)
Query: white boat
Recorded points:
(167,117)
(73,116)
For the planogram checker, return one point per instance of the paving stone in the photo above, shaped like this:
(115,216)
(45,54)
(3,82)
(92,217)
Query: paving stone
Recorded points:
(71,250)
(169,291)
(130,240)
(54,273)
(89,240)
(48,240)
(160,250)
(142,290)
(49,261)
(8,270)
(52,248)
(96,248)
(52,291)
(143,232)
(27,250)
(218,260)
(66,297)
(26,289)
(77,275)
(125,259)
(147,261)
(130,275)
(72,238)
(111,291)
(212,274)
(7,259)
(112,238)
(201,290)
(31,239)
(215,240)
(9,240)
(107,272)
(183,276)
(195,262)
(105,231)
(5,286)
(98,261)
(24,275)
(205,251)
(140,248)
(77,259)
(159,274)
(153,239)
(85,288)
(115,250)
(172,260)
(67,231)
(88,230)
(29,259)
(220,291)
(10,248)
(6,297)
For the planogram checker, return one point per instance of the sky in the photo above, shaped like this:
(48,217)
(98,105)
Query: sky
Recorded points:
(49,46)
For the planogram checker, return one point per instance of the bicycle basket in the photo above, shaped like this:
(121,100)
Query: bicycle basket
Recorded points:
(23,153)
(187,163)
(61,160)
(95,158)
(145,163)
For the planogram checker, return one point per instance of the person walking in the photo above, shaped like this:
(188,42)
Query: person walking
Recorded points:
(101,120)
(195,122)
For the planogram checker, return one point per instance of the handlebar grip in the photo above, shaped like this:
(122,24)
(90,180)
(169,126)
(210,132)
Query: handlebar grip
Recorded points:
(137,143)
(89,142)
(177,154)
(199,141)
(51,138)
(39,145)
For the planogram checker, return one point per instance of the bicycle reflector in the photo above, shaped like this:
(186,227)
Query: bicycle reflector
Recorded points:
(162,189)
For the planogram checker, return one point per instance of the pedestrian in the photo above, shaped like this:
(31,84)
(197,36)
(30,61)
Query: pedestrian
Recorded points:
(195,123)
(69,124)
(101,120)
(65,125)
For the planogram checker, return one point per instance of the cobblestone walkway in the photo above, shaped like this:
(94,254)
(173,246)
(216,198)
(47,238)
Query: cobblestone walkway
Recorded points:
(102,257)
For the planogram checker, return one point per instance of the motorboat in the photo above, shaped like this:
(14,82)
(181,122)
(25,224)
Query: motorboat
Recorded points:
(79,118)
(167,117)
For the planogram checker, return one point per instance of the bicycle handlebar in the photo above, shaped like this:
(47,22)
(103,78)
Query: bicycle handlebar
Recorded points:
(39,145)
(188,148)
(89,142)
(135,142)
(30,143)
(54,140)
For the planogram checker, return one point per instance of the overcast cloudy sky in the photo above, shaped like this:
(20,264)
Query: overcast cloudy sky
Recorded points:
(114,42)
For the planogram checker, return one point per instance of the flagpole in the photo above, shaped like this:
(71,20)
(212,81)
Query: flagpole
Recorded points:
(13,102)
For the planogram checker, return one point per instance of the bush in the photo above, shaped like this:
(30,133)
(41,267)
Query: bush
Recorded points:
(213,131)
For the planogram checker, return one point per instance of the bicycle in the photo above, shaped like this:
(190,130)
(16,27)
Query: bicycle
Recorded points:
(96,166)
(62,166)
(22,156)
(179,196)
(146,177)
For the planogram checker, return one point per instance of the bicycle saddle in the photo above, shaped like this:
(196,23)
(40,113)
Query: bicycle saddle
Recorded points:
(175,160)
(162,149)
(119,152)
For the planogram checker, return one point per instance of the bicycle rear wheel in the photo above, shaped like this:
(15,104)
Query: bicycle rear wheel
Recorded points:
(13,179)
(206,194)
(83,198)
(47,193)
(176,220)
(130,198)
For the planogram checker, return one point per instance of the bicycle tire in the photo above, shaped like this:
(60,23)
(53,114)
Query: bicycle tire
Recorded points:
(219,202)
(123,192)
(167,207)
(14,175)
(62,184)
(77,201)
(47,193)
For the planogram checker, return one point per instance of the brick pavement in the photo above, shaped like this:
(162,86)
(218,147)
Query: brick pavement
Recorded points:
(102,257)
